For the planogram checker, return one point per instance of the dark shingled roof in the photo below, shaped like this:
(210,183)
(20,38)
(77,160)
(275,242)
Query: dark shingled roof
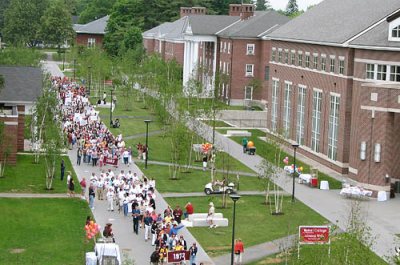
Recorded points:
(210,24)
(260,23)
(376,37)
(22,84)
(335,21)
(95,27)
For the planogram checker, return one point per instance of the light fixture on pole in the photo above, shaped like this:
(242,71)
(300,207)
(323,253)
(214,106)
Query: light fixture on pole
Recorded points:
(295,145)
(146,151)
(234,198)
(111,103)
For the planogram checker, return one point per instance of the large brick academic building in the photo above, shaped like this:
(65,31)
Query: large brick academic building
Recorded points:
(330,78)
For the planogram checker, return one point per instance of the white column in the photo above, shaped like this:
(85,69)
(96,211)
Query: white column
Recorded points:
(214,70)
(186,64)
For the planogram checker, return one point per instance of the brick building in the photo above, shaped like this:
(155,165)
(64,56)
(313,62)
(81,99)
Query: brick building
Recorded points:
(22,87)
(335,87)
(209,44)
(92,33)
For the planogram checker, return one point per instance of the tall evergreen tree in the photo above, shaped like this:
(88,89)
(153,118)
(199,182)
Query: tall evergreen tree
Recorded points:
(292,8)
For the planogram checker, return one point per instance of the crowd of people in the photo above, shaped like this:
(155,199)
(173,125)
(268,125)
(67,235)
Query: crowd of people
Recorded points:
(125,192)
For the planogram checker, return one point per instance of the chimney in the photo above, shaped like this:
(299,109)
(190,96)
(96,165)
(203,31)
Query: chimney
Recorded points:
(244,11)
(197,10)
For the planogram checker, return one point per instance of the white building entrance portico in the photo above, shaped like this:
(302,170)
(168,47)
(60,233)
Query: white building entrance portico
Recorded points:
(192,62)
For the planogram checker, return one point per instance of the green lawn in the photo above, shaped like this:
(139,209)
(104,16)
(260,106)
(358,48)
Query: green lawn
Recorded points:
(267,151)
(318,254)
(254,222)
(44,231)
(194,181)
(27,177)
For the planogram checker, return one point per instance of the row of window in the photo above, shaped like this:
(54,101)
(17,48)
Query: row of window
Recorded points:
(224,67)
(383,72)
(300,118)
(304,60)
(225,47)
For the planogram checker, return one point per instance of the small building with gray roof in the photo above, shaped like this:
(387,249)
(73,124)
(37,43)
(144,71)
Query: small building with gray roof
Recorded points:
(92,33)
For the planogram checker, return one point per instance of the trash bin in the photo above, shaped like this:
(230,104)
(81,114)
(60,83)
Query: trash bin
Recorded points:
(314,182)
(397,186)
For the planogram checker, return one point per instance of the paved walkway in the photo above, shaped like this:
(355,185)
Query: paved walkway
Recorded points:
(382,217)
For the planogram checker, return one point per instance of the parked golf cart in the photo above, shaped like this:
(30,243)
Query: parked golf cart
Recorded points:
(219,188)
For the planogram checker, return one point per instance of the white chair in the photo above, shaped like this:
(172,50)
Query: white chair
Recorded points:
(324,185)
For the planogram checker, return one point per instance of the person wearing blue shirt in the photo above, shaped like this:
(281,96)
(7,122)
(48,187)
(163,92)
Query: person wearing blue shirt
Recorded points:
(136,218)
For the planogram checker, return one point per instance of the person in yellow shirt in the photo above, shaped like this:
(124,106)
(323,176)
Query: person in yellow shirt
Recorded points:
(178,246)
(163,254)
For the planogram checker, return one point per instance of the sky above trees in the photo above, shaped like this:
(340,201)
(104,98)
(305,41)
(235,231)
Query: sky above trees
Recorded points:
(303,4)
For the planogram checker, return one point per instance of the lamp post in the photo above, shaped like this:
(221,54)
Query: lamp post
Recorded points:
(234,198)
(90,78)
(74,68)
(147,143)
(295,145)
(111,103)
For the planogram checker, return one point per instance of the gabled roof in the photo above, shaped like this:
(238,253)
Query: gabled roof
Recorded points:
(22,84)
(95,27)
(210,24)
(335,21)
(254,26)
(376,37)
(169,30)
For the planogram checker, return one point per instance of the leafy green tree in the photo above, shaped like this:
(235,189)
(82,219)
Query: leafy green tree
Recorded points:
(262,5)
(56,26)
(292,8)
(20,56)
(3,6)
(22,21)
(94,9)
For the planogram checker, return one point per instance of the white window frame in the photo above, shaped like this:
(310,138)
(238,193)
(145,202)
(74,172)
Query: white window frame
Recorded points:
(332,64)
(249,73)
(286,56)
(341,65)
(394,26)
(250,49)
(91,42)
(293,57)
(323,62)
(287,108)
(275,104)
(370,70)
(316,120)
(273,54)
(307,60)
(279,55)
(381,72)
(395,73)
(334,116)
(246,88)
(301,106)
(300,59)
(229,48)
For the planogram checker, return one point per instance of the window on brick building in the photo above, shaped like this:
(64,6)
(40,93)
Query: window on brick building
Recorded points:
(91,42)
(279,56)
(293,58)
(266,73)
(323,63)
(370,70)
(316,120)
(315,61)
(229,47)
(250,49)
(307,60)
(275,105)
(248,93)
(300,59)
(395,73)
(381,73)
(301,106)
(286,57)
(273,54)
(249,69)
(341,66)
(333,127)
(332,65)
(287,109)
(227,68)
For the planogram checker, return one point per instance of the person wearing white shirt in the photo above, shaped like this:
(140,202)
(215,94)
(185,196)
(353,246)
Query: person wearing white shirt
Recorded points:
(110,199)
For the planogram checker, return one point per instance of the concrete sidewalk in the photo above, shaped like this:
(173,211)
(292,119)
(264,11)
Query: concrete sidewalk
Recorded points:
(382,217)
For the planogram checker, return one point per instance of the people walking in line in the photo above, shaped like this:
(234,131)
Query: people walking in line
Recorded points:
(193,253)
(91,196)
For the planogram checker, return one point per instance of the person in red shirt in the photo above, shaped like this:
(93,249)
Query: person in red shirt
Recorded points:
(189,210)
(239,249)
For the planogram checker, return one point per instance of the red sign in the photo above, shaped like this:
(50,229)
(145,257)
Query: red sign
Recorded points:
(177,256)
(314,234)
(110,161)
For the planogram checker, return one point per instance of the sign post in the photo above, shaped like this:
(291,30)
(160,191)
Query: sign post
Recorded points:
(314,235)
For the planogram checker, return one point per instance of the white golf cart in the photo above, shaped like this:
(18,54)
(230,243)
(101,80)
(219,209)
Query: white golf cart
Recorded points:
(219,188)
(104,254)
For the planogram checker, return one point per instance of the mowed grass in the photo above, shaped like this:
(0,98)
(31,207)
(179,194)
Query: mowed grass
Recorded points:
(194,180)
(254,222)
(45,231)
(267,151)
(28,177)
